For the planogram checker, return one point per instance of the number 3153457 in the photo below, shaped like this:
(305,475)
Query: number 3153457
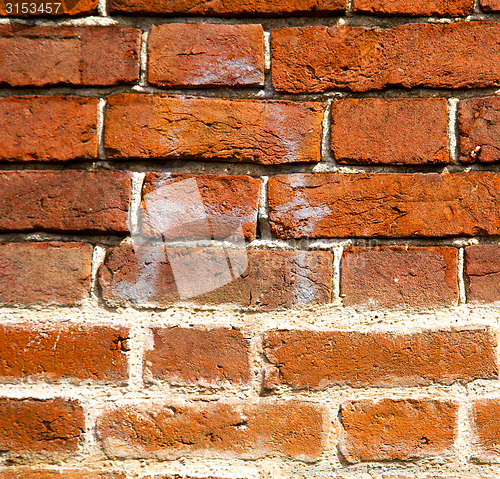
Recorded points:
(33,8)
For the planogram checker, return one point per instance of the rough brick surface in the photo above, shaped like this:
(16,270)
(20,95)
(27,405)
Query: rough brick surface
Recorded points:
(384,205)
(482,273)
(231,428)
(317,359)
(269,279)
(479,130)
(229,7)
(397,429)
(486,429)
(75,352)
(42,8)
(390,131)
(490,5)
(317,59)
(26,473)
(48,128)
(399,276)
(255,131)
(445,8)
(215,357)
(206,54)
(44,273)
(43,55)
(40,425)
(87,201)
(172,211)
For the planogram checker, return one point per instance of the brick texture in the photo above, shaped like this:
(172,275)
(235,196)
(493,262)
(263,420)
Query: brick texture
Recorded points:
(86,201)
(48,128)
(479,129)
(445,8)
(215,357)
(384,205)
(397,131)
(40,425)
(317,59)
(26,473)
(486,429)
(490,5)
(253,131)
(234,429)
(206,54)
(43,55)
(44,273)
(397,429)
(317,359)
(76,352)
(269,280)
(482,273)
(172,211)
(228,7)
(398,276)
(41,8)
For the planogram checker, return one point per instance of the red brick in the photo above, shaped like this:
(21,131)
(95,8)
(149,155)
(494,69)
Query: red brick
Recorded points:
(40,425)
(398,276)
(26,473)
(390,131)
(74,352)
(48,128)
(206,54)
(482,273)
(87,201)
(246,430)
(442,8)
(397,429)
(317,359)
(254,131)
(229,202)
(384,205)
(316,59)
(228,7)
(486,429)
(43,55)
(215,357)
(490,5)
(44,273)
(65,8)
(479,128)
(273,279)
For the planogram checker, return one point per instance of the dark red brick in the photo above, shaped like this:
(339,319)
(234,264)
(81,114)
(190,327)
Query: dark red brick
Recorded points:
(442,8)
(482,273)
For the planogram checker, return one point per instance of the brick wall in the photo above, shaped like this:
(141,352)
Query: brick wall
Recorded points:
(249,239)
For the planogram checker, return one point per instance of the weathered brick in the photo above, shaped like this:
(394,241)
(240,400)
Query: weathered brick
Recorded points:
(270,279)
(482,273)
(490,5)
(317,58)
(479,129)
(44,273)
(444,8)
(390,131)
(215,357)
(397,429)
(399,276)
(74,352)
(183,54)
(228,7)
(44,55)
(173,212)
(40,425)
(48,128)
(485,419)
(255,131)
(317,359)
(384,205)
(42,8)
(240,429)
(71,200)
(26,473)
